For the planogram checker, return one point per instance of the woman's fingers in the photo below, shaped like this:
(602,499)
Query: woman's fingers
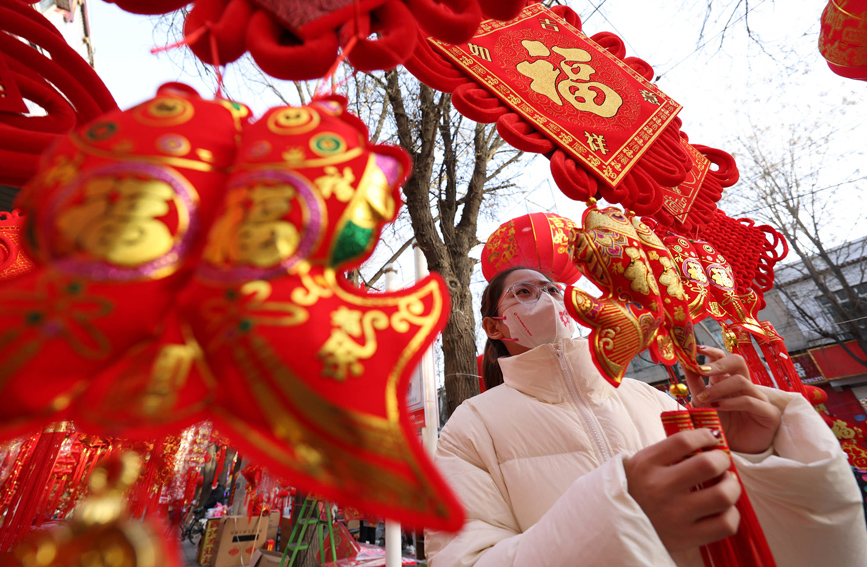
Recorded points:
(713,354)
(677,447)
(754,406)
(699,469)
(715,528)
(694,382)
(713,500)
(735,385)
(720,363)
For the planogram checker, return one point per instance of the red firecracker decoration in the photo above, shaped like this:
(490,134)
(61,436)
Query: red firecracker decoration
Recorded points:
(748,547)
(54,76)
(538,241)
(843,38)
(299,40)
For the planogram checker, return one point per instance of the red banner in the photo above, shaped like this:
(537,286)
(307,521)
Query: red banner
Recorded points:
(835,363)
(600,111)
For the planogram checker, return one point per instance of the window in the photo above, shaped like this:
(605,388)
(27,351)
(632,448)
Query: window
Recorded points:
(847,311)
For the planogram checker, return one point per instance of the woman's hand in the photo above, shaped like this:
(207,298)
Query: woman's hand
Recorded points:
(662,480)
(749,420)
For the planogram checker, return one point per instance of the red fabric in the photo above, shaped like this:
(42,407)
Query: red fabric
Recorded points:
(751,250)
(843,38)
(538,241)
(632,164)
(11,101)
(61,82)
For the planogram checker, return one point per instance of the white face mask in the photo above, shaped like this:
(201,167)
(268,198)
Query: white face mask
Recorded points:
(540,323)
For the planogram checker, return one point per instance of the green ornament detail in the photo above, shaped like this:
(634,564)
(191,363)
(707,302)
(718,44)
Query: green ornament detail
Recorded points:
(352,242)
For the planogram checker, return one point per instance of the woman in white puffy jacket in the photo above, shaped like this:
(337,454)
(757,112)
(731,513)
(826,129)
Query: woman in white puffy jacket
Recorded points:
(556,467)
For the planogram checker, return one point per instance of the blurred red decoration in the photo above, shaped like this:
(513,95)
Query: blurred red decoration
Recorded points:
(843,38)
(136,343)
(817,396)
(538,241)
(54,77)
(299,39)
(117,215)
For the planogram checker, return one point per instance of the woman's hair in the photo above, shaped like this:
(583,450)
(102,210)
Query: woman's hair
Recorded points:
(494,349)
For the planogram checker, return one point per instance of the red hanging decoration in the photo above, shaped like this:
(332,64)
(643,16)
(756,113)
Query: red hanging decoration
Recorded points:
(619,139)
(130,353)
(748,547)
(118,215)
(54,77)
(689,207)
(643,303)
(751,250)
(24,507)
(306,202)
(538,241)
(100,532)
(299,40)
(843,38)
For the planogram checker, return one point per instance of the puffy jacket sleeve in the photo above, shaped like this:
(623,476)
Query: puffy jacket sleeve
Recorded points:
(804,492)
(594,524)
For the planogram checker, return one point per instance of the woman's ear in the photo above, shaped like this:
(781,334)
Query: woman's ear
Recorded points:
(492,329)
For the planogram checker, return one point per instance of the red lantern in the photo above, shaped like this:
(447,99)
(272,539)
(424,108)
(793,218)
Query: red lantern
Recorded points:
(843,38)
(538,241)
(816,396)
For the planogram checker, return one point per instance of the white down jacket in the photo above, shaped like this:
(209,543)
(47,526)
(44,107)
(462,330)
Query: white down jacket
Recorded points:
(538,465)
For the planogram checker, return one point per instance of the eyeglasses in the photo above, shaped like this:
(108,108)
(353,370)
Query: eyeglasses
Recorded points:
(529,293)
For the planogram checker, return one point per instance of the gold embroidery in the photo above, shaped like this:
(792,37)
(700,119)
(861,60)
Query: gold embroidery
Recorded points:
(670,279)
(252,231)
(336,183)
(637,273)
(118,221)
(341,353)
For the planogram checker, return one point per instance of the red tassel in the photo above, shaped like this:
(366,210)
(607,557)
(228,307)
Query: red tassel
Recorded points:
(25,503)
(748,547)
(221,460)
(744,347)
